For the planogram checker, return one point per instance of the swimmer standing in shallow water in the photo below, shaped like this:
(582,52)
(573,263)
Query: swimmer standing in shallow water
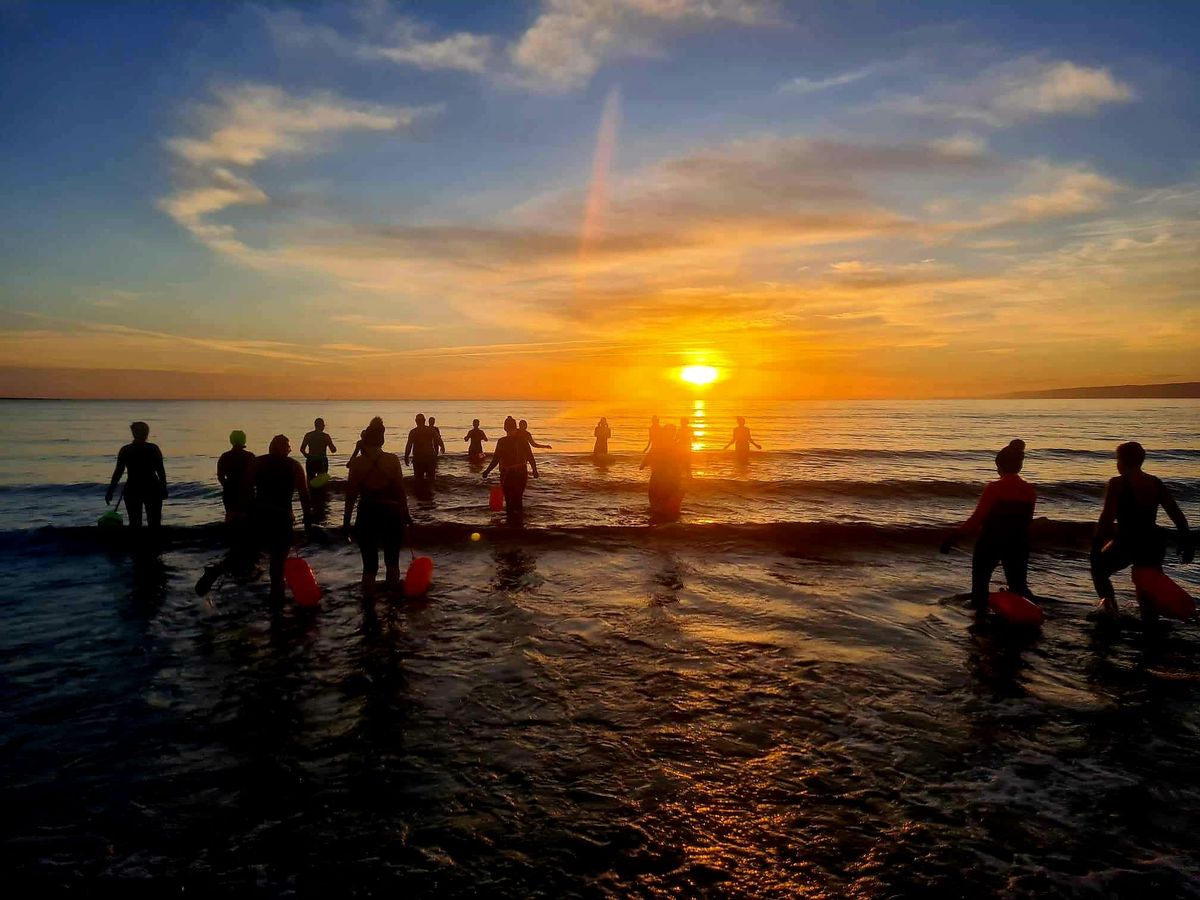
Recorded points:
(741,440)
(1001,520)
(146,484)
(1127,533)
(476,439)
(512,454)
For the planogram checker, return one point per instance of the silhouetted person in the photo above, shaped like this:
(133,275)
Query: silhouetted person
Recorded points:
(375,422)
(666,473)
(1001,521)
(146,484)
(422,449)
(741,440)
(523,433)
(476,439)
(1127,533)
(313,448)
(602,433)
(277,479)
(233,472)
(377,484)
(438,444)
(512,454)
(655,432)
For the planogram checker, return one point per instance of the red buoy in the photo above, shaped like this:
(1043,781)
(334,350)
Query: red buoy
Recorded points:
(418,577)
(301,581)
(1162,594)
(1015,609)
(496,498)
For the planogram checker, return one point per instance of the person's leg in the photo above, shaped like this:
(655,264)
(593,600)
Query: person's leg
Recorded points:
(514,490)
(1105,561)
(391,556)
(133,505)
(310,467)
(983,564)
(154,512)
(1016,569)
(279,553)
(368,546)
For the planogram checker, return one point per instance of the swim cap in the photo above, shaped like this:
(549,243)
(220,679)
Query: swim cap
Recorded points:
(237,438)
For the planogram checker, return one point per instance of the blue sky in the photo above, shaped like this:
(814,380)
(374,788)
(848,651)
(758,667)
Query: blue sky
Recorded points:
(824,199)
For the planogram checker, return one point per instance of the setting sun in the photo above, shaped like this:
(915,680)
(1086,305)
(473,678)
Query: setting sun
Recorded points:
(698,374)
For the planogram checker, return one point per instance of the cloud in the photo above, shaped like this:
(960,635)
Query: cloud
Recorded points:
(571,39)
(463,51)
(803,85)
(1018,90)
(248,124)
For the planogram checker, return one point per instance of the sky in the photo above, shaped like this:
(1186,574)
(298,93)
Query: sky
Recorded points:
(576,198)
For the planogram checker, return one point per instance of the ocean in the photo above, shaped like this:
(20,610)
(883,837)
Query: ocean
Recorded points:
(782,694)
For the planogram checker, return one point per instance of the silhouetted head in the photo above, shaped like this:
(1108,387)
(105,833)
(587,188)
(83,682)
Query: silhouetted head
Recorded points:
(372,435)
(432,421)
(510,424)
(474,423)
(1017,444)
(603,420)
(654,420)
(280,445)
(319,424)
(1010,460)
(140,431)
(523,425)
(237,438)
(419,418)
(375,420)
(1130,456)
(741,420)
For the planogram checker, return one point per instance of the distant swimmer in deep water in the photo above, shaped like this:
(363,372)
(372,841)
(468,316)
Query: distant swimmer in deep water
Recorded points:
(666,474)
(602,433)
(1001,521)
(277,479)
(422,450)
(512,455)
(475,438)
(741,440)
(313,448)
(1127,533)
(655,433)
(523,434)
(438,444)
(375,422)
(146,484)
(377,484)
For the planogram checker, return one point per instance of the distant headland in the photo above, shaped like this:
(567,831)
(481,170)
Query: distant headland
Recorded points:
(1175,391)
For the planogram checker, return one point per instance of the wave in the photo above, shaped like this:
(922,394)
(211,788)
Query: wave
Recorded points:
(794,538)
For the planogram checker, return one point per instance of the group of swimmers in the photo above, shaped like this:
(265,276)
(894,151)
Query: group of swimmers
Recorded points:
(1126,534)
(259,492)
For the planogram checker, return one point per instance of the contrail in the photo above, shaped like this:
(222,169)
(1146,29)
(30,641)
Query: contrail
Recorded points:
(597,199)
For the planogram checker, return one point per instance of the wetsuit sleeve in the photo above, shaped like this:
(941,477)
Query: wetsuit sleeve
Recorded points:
(162,472)
(351,495)
(495,458)
(301,482)
(409,446)
(117,473)
(982,508)
(329,444)
(529,459)
(221,473)
(1171,508)
(1108,513)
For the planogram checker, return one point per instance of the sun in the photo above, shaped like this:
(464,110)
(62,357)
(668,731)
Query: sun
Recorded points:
(698,375)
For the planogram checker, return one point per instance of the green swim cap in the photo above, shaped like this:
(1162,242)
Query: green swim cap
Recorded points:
(237,438)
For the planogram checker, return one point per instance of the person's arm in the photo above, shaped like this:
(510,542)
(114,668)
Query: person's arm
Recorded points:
(1187,552)
(467,437)
(300,480)
(495,459)
(116,476)
(484,438)
(408,447)
(304,447)
(752,440)
(351,498)
(731,442)
(981,510)
(222,475)
(162,472)
(1108,512)
(529,459)
(329,442)
(533,443)
(650,441)
(401,497)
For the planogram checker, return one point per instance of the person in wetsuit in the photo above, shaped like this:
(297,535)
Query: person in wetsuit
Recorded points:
(146,484)
(666,473)
(655,432)
(313,447)
(741,440)
(512,454)
(523,433)
(438,444)
(377,485)
(375,422)
(422,450)
(233,473)
(277,478)
(1127,533)
(1001,521)
(476,439)
(602,433)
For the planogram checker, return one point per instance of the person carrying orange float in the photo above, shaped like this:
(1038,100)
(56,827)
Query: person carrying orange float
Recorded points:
(512,455)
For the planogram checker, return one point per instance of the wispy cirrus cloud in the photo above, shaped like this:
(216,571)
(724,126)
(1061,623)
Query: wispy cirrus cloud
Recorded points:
(802,85)
(1018,90)
(246,125)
